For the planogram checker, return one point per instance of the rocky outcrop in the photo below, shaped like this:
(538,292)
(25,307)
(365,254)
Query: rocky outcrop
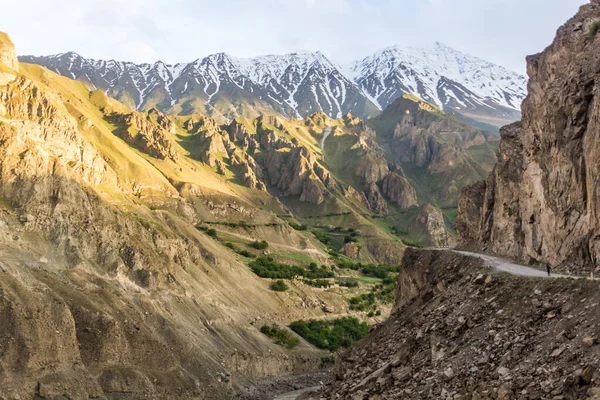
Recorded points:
(297,173)
(249,170)
(430,223)
(375,200)
(541,202)
(149,136)
(435,148)
(399,190)
(459,331)
(9,64)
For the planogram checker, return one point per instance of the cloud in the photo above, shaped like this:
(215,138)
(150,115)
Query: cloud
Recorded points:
(502,31)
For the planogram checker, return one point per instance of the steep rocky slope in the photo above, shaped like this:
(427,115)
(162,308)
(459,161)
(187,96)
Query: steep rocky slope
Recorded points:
(439,153)
(459,331)
(540,203)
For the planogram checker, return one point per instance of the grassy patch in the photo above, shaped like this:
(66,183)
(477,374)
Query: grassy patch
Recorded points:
(280,336)
(368,279)
(296,257)
(333,334)
(411,242)
(594,27)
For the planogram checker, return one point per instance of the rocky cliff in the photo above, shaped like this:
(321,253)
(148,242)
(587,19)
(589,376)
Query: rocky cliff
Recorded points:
(459,331)
(541,201)
(436,150)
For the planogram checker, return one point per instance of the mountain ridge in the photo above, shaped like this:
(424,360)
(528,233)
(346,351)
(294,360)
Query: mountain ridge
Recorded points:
(297,84)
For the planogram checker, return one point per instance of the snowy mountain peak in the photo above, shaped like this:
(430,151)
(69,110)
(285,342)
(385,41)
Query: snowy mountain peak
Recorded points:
(442,75)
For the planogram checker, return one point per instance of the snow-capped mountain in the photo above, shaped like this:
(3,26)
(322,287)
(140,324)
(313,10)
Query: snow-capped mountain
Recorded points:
(452,80)
(295,84)
(298,84)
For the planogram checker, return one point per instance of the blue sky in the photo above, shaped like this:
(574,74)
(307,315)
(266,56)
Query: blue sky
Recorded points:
(501,31)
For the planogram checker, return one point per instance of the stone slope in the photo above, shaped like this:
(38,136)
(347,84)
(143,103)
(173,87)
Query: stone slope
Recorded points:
(459,331)
(540,203)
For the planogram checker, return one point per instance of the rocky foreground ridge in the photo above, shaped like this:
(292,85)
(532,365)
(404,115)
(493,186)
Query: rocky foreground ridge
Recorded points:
(541,201)
(459,331)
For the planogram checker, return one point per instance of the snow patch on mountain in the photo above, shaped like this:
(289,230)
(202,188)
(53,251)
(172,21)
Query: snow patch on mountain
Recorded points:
(424,72)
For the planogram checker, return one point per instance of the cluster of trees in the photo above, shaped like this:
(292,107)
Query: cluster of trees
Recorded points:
(381,271)
(333,334)
(279,286)
(368,301)
(298,227)
(241,252)
(318,283)
(267,267)
(349,283)
(259,245)
(322,237)
(280,336)
(209,231)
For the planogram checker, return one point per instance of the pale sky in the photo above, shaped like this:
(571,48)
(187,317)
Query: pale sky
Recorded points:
(500,31)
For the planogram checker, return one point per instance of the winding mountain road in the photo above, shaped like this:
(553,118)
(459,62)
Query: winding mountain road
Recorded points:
(501,265)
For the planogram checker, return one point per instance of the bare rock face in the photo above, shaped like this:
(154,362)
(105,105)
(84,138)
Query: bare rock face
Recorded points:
(8,58)
(148,135)
(375,200)
(541,202)
(297,173)
(430,221)
(399,190)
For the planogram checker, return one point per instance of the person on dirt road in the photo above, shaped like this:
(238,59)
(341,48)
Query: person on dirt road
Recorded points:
(548,269)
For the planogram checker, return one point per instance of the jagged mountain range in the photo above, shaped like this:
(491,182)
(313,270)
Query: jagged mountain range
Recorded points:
(298,84)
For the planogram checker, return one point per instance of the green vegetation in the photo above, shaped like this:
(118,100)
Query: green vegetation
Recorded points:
(244,253)
(350,239)
(279,286)
(298,227)
(323,237)
(383,293)
(331,335)
(411,242)
(209,231)
(349,283)
(243,224)
(259,245)
(281,336)
(318,283)
(267,267)
(380,271)
(362,302)
(594,27)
